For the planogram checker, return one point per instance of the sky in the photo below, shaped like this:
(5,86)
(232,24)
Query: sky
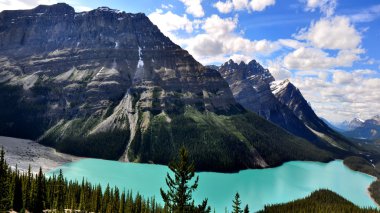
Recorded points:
(328,48)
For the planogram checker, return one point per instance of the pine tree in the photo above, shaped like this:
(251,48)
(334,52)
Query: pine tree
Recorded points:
(5,201)
(17,193)
(28,189)
(246,209)
(106,198)
(122,203)
(59,199)
(179,196)
(40,193)
(236,204)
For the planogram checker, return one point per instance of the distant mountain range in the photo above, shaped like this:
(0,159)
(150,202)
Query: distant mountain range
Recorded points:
(109,84)
(361,129)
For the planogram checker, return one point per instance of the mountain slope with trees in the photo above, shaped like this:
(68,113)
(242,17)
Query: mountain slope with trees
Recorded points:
(109,84)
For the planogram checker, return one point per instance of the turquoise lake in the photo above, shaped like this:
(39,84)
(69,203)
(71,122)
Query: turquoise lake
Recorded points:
(257,187)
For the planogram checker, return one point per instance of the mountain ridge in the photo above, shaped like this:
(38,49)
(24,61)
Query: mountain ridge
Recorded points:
(109,84)
(280,102)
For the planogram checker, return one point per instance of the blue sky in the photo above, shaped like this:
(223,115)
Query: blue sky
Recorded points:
(328,48)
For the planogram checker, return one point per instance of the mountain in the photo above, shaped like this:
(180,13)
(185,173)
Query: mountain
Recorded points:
(355,123)
(280,102)
(368,129)
(109,84)
(251,86)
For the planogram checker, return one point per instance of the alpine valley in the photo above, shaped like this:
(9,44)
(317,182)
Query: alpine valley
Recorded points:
(109,84)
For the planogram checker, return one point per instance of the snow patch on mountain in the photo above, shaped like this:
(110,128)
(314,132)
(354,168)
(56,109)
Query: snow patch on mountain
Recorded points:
(278,86)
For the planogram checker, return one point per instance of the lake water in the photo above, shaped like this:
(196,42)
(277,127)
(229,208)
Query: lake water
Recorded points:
(256,187)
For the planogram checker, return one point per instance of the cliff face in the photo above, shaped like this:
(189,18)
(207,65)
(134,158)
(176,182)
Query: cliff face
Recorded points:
(109,84)
(251,87)
(290,96)
(97,56)
(280,102)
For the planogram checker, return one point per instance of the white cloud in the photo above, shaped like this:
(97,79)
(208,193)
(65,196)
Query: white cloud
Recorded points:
(169,22)
(240,57)
(166,6)
(345,96)
(219,27)
(29,4)
(217,40)
(194,7)
(367,15)
(341,77)
(327,7)
(237,5)
(220,41)
(326,44)
(332,33)
(291,43)
(205,45)
(224,7)
(278,71)
(308,58)
(260,5)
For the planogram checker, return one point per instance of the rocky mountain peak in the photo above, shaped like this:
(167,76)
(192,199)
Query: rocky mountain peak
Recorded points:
(56,9)
(253,71)
(356,122)
(279,86)
(107,9)
(109,84)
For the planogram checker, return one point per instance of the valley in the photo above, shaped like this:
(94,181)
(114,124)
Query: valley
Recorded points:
(98,108)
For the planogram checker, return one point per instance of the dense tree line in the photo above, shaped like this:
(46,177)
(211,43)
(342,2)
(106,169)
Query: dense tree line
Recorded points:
(220,143)
(35,193)
(23,192)
(321,201)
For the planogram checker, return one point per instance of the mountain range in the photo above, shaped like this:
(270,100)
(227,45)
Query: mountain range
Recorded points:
(109,84)
(279,102)
(361,129)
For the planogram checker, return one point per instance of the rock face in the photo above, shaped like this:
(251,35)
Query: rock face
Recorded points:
(280,102)
(109,84)
(251,86)
(290,96)
(368,129)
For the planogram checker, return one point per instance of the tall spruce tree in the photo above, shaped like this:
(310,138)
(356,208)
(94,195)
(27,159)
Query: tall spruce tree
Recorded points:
(236,204)
(28,189)
(40,193)
(60,192)
(179,196)
(246,209)
(5,201)
(17,193)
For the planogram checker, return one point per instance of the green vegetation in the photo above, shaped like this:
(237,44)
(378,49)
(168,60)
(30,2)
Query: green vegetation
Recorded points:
(107,145)
(36,193)
(179,196)
(321,201)
(220,143)
(72,137)
(362,165)
(215,142)
(20,117)
(236,204)
(374,189)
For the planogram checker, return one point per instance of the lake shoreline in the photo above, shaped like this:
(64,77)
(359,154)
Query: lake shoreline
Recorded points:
(50,159)
(23,152)
(363,166)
